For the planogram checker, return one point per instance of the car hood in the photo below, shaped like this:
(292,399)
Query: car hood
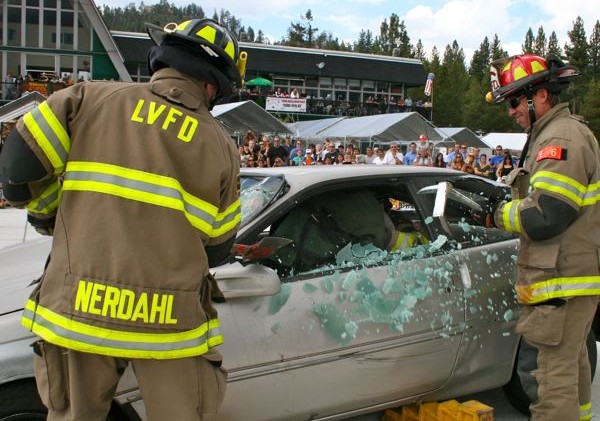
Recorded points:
(19,266)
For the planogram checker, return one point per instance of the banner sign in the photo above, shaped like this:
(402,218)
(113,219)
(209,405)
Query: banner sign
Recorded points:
(294,105)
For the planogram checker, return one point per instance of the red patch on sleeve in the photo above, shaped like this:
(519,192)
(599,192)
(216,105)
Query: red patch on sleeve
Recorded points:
(550,152)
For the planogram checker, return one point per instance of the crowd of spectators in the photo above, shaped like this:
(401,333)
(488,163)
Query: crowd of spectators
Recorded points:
(329,105)
(46,83)
(285,151)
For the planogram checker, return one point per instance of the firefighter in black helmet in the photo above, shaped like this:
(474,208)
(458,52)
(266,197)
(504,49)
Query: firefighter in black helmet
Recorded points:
(139,186)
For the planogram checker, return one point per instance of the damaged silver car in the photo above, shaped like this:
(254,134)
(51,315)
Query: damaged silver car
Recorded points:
(355,288)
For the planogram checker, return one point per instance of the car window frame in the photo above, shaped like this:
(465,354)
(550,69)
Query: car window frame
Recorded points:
(282,207)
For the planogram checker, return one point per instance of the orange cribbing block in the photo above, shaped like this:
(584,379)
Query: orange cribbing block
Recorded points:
(410,412)
(449,411)
(428,411)
(476,411)
(392,415)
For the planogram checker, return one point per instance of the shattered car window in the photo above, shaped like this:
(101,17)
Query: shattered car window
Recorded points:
(347,228)
(256,193)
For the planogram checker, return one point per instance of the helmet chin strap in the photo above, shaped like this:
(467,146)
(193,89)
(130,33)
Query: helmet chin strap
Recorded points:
(531,110)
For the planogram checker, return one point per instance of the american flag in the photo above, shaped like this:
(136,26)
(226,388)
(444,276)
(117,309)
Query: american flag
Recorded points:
(429,84)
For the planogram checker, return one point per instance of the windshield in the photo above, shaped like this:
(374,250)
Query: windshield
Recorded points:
(257,193)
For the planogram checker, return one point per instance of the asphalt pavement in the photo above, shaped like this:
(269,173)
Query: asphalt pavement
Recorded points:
(14,229)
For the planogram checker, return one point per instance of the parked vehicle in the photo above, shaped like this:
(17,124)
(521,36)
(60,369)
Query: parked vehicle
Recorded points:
(388,293)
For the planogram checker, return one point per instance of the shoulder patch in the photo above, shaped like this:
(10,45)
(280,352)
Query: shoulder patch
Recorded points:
(552,152)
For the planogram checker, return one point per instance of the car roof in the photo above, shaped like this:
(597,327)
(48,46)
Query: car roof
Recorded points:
(301,176)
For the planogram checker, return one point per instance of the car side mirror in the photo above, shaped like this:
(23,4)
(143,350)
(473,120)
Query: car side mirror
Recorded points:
(252,280)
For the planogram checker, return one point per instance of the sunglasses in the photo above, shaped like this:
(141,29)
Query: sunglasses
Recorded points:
(515,101)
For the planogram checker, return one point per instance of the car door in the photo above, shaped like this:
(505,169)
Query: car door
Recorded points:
(487,261)
(354,325)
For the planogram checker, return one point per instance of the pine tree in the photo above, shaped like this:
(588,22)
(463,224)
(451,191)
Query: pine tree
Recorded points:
(527,46)
(594,51)
(364,43)
(496,50)
(419,53)
(452,83)
(577,55)
(480,62)
(250,34)
(539,46)
(393,36)
(577,50)
(260,37)
(591,107)
(553,47)
(302,34)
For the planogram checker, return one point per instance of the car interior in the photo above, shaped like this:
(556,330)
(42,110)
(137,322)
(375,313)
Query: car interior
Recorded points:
(365,218)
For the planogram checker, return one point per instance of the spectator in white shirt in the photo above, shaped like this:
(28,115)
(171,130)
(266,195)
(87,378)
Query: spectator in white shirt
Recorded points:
(393,156)
(379,157)
(370,156)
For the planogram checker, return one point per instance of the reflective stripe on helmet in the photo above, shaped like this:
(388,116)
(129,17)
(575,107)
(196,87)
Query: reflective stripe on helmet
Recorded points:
(183,25)
(208,33)
(153,189)
(230,50)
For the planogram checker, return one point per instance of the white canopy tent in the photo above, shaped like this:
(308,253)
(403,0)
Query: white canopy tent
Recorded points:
(377,129)
(512,141)
(15,109)
(462,135)
(239,117)
(309,129)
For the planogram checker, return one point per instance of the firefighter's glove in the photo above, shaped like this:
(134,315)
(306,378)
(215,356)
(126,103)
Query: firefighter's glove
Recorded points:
(485,216)
(44,226)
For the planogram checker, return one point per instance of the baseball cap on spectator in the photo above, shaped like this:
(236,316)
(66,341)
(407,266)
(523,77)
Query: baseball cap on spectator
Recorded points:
(309,151)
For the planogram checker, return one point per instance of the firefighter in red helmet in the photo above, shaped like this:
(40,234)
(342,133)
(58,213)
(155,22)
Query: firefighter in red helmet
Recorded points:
(139,186)
(554,209)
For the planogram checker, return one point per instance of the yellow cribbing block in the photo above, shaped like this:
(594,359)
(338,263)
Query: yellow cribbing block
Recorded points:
(428,411)
(392,415)
(410,412)
(449,411)
(476,411)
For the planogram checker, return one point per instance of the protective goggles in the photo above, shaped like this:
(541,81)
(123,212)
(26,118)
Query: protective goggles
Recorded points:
(515,101)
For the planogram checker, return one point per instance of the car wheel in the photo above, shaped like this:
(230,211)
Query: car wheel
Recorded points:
(19,401)
(519,390)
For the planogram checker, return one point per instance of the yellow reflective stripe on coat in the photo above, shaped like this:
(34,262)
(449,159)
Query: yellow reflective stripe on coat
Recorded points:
(48,201)
(567,187)
(153,189)
(408,239)
(592,196)
(49,134)
(585,412)
(562,287)
(66,332)
(510,216)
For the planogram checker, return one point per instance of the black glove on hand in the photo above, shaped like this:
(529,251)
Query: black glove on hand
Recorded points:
(485,216)
(44,226)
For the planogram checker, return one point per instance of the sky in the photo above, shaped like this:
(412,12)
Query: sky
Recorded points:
(435,22)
